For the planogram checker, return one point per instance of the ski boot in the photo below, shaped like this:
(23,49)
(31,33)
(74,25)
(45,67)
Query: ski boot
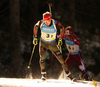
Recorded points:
(85,76)
(70,77)
(43,78)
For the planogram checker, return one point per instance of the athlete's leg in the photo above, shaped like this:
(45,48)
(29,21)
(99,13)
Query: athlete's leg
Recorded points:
(82,68)
(42,52)
(69,60)
(42,58)
(54,49)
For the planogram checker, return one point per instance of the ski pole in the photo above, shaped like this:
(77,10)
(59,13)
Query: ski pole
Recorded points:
(31,57)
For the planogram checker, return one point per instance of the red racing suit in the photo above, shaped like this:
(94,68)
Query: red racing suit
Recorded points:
(74,55)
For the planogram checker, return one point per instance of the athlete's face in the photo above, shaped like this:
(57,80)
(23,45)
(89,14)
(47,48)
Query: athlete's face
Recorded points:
(48,22)
(68,36)
(68,33)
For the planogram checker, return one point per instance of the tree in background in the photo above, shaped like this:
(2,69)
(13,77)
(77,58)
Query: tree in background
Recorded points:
(16,58)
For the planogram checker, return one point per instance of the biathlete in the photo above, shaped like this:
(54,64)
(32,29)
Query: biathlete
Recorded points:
(72,42)
(49,29)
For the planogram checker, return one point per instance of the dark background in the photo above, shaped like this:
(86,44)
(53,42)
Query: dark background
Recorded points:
(17,19)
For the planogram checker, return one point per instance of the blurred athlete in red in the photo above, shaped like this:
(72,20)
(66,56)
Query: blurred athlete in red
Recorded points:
(72,42)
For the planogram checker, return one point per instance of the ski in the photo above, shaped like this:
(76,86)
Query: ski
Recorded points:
(40,81)
(88,82)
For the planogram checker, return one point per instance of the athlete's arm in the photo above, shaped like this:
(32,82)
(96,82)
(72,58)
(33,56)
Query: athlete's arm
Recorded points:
(76,40)
(36,29)
(60,29)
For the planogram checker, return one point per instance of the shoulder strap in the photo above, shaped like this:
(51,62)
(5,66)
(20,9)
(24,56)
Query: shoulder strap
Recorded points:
(41,23)
(54,23)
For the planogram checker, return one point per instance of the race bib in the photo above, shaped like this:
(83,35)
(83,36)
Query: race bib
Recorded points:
(48,34)
(72,48)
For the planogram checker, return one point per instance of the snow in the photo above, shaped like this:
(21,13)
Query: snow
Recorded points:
(15,82)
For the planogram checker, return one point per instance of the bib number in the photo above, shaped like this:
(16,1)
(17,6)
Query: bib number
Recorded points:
(48,37)
(71,48)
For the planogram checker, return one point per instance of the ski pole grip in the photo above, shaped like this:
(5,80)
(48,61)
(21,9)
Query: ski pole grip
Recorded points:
(35,41)
(60,42)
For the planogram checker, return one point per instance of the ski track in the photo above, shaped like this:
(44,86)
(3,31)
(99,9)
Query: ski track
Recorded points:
(14,82)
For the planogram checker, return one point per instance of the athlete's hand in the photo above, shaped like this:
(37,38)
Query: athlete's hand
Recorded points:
(35,41)
(60,42)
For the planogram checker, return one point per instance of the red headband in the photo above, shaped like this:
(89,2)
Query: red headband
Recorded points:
(46,17)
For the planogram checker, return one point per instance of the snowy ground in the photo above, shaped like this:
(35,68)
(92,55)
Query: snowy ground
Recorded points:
(13,82)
